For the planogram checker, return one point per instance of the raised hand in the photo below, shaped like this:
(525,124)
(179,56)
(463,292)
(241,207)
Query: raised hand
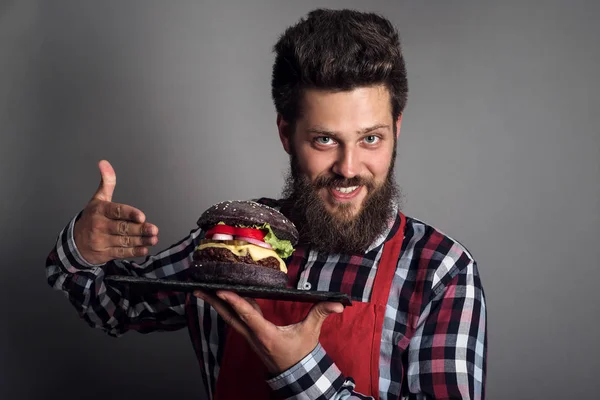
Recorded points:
(107,230)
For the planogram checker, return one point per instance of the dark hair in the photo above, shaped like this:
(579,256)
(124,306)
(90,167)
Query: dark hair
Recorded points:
(337,50)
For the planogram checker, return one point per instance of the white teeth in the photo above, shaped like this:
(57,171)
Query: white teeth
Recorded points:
(346,189)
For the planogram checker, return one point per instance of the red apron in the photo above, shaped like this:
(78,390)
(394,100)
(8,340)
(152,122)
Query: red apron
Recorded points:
(352,338)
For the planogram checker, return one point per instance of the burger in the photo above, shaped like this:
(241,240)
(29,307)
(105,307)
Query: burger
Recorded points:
(245,243)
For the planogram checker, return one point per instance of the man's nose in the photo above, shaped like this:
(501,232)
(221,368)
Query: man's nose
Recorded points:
(347,163)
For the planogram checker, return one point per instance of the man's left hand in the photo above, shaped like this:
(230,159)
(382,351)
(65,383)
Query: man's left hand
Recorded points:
(279,347)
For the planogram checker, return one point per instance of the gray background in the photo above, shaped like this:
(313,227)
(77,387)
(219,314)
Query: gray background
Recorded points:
(500,148)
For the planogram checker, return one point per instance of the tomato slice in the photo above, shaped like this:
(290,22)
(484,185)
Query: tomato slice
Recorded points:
(223,229)
(250,233)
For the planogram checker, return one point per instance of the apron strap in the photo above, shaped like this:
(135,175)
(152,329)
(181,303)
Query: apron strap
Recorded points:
(380,294)
(387,265)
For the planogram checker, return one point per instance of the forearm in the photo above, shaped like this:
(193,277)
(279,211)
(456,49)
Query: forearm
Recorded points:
(115,309)
(450,344)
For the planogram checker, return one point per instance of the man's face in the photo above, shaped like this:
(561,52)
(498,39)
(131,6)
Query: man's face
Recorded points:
(342,151)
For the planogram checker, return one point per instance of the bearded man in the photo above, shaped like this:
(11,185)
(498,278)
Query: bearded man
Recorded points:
(417,326)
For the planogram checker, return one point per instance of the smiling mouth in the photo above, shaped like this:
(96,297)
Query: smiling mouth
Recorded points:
(346,190)
(344,193)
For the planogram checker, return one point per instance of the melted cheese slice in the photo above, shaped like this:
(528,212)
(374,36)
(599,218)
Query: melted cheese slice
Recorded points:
(256,252)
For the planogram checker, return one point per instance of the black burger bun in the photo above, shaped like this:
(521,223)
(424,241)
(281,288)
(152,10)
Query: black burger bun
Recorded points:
(238,274)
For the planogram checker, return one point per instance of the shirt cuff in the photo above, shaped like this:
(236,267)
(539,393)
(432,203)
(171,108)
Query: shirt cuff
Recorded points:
(315,377)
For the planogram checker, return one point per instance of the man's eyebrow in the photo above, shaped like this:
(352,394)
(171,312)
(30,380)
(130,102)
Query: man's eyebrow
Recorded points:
(373,128)
(322,131)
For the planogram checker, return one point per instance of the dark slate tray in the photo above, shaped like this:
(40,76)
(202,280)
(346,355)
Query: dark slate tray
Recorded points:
(258,292)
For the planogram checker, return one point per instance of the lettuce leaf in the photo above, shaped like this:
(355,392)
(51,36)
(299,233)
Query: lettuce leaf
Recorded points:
(283,248)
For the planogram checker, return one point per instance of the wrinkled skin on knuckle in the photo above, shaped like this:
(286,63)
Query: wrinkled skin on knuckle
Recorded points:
(123,228)
(120,252)
(125,241)
(116,211)
(131,252)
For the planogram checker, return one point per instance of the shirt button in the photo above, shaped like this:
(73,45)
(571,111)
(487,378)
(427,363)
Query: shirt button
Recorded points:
(307,285)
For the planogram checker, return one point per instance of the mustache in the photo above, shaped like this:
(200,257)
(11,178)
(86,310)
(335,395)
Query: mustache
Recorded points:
(340,181)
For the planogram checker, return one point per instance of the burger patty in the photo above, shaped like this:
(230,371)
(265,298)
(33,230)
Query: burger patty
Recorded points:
(219,254)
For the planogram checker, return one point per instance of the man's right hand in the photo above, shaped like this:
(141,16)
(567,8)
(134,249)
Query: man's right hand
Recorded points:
(107,230)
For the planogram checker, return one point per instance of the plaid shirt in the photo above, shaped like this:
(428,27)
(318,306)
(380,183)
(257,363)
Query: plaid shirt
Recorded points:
(434,340)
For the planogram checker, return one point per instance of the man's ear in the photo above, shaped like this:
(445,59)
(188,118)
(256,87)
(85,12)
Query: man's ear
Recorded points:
(398,125)
(285,136)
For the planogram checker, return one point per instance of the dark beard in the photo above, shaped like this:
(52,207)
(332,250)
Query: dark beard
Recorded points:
(339,233)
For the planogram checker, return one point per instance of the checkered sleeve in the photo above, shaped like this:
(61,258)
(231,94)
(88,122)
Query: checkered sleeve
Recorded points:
(117,309)
(447,354)
(315,377)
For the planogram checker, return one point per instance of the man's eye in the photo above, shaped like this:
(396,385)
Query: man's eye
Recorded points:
(323,140)
(371,139)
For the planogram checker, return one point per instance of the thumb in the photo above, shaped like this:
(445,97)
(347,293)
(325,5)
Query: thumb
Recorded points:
(108,181)
(319,313)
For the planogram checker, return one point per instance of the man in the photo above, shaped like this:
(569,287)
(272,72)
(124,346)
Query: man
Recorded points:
(417,329)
